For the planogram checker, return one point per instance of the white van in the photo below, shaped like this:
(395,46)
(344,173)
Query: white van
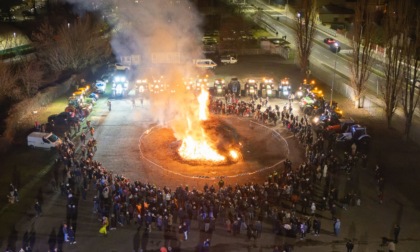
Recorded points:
(43,140)
(100,86)
(205,63)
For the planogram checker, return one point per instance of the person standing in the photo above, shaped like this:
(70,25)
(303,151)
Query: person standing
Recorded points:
(303,229)
(313,208)
(221,183)
(71,235)
(337,227)
(105,223)
(65,232)
(83,138)
(350,246)
(16,195)
(109,105)
(258,228)
(316,226)
(396,232)
(38,208)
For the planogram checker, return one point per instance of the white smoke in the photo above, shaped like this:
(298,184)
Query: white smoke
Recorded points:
(153,28)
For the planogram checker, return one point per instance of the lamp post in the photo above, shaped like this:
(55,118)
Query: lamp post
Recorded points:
(335,67)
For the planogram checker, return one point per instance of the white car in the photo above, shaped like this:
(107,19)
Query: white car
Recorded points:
(100,86)
(228,60)
(119,66)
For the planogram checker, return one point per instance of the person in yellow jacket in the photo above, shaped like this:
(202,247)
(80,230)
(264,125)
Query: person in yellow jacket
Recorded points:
(105,224)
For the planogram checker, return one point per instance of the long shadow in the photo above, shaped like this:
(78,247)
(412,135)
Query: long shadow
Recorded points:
(363,242)
(400,212)
(52,240)
(12,239)
(40,196)
(16,177)
(352,231)
(60,239)
(136,241)
(203,237)
(170,238)
(32,236)
(145,240)
(28,239)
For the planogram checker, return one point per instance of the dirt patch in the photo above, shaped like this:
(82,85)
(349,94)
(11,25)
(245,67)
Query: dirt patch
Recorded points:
(258,149)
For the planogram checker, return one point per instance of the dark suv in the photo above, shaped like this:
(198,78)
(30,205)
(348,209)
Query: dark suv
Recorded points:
(65,118)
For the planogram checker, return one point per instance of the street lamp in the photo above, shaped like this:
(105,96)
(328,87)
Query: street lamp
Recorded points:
(335,67)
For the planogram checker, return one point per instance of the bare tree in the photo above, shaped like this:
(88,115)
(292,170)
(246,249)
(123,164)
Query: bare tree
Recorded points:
(72,47)
(304,31)
(30,76)
(361,63)
(7,82)
(411,90)
(396,32)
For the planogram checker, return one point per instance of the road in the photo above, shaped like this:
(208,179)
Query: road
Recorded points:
(321,53)
(335,68)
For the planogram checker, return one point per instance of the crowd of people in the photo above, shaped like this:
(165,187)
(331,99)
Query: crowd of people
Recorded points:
(240,209)
(236,209)
(311,185)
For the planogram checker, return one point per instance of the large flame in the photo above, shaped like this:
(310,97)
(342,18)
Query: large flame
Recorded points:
(196,145)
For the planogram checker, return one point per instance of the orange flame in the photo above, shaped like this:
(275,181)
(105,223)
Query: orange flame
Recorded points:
(196,145)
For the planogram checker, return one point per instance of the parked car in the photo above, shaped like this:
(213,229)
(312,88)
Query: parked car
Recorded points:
(100,86)
(93,96)
(43,140)
(205,63)
(119,66)
(65,118)
(228,60)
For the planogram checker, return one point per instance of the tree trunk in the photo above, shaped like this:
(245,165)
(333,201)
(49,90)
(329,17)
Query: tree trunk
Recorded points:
(389,119)
(358,102)
(407,126)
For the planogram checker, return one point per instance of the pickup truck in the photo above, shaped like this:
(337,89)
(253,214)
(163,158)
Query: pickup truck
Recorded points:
(228,60)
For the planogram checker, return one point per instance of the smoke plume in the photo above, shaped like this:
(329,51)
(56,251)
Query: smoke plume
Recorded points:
(166,34)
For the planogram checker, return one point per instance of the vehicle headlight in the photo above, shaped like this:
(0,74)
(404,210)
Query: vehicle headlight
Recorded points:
(299,93)
(316,119)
